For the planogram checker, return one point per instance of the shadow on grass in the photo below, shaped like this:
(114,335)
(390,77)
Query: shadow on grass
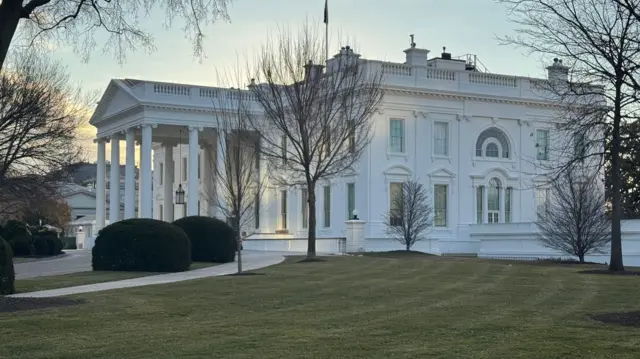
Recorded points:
(399,254)
(311,260)
(243,274)
(9,304)
(627,319)
(610,272)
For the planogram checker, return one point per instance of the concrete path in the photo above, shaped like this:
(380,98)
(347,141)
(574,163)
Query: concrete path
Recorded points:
(74,261)
(250,259)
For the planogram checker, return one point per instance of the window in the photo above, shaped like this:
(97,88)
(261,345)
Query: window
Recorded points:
(499,136)
(493,201)
(507,204)
(441,138)
(479,204)
(184,168)
(199,166)
(492,150)
(542,145)
(283,147)
(283,209)
(327,206)
(304,201)
(395,204)
(396,135)
(161,173)
(352,136)
(440,205)
(173,165)
(198,208)
(160,212)
(351,199)
(542,201)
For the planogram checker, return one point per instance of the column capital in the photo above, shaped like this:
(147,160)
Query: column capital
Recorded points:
(101,140)
(146,125)
(198,128)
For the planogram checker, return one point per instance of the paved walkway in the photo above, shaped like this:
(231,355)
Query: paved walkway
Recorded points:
(250,259)
(74,261)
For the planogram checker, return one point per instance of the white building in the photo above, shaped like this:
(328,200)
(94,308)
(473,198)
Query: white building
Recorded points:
(473,138)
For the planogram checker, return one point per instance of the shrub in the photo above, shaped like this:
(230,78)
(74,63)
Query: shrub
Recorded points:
(14,229)
(142,244)
(212,240)
(22,245)
(54,244)
(40,245)
(7,274)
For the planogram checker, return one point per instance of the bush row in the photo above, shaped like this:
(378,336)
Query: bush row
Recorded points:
(7,274)
(151,245)
(23,242)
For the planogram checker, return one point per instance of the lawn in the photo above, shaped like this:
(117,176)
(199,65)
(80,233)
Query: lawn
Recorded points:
(347,307)
(82,278)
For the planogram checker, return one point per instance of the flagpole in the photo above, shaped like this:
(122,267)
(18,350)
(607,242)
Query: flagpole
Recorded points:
(326,31)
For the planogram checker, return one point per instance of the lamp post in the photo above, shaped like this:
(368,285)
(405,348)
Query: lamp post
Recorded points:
(180,192)
(355,214)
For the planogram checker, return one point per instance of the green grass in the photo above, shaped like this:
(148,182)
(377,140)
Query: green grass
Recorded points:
(82,278)
(346,307)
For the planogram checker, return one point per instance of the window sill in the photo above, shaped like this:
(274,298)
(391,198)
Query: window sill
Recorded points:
(396,154)
(493,159)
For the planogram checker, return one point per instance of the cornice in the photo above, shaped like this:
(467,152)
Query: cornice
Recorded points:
(466,96)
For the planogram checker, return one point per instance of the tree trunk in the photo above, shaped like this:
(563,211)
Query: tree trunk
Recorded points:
(9,19)
(238,244)
(581,258)
(408,246)
(311,242)
(615,263)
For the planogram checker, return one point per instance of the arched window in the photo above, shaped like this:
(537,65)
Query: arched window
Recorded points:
(491,149)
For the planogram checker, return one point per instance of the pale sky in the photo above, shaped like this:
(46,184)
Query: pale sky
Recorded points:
(380,28)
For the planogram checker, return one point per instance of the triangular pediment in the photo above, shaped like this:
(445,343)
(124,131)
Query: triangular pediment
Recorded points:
(115,99)
(442,172)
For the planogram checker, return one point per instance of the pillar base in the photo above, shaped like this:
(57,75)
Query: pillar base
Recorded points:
(355,236)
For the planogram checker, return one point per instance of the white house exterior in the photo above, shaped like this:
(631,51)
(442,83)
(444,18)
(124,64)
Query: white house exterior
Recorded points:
(474,139)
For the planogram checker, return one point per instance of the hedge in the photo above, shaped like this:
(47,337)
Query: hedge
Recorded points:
(40,245)
(54,243)
(142,244)
(212,240)
(69,243)
(7,273)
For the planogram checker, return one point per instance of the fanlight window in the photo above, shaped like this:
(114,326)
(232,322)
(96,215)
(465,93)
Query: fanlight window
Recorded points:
(491,149)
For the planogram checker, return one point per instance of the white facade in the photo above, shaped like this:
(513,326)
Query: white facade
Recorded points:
(473,138)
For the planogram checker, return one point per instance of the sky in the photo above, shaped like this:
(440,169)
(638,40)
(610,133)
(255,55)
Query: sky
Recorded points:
(379,29)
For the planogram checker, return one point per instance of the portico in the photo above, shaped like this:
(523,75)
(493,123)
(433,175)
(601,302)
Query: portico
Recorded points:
(138,113)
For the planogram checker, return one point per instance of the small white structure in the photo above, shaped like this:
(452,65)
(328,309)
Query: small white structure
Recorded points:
(474,139)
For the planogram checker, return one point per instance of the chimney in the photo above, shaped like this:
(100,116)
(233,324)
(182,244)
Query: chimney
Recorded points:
(415,56)
(312,72)
(557,71)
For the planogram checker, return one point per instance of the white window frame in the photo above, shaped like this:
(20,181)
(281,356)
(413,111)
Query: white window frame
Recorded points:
(447,200)
(161,173)
(498,144)
(347,186)
(403,150)
(547,200)
(391,183)
(283,200)
(547,152)
(447,153)
(326,216)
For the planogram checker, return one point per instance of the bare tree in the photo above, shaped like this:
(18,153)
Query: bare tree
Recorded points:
(40,113)
(599,42)
(239,184)
(78,22)
(574,221)
(410,216)
(316,123)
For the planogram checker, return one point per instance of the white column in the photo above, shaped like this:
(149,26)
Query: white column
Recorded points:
(100,184)
(502,203)
(264,200)
(167,181)
(193,194)
(130,176)
(114,180)
(208,175)
(220,190)
(146,201)
(485,204)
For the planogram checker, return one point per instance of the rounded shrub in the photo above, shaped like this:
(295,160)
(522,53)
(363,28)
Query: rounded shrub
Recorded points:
(7,274)
(142,244)
(15,228)
(40,245)
(212,240)
(22,245)
(54,243)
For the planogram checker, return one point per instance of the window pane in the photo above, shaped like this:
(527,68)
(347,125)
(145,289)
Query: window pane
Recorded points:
(283,208)
(479,200)
(161,170)
(184,168)
(494,195)
(440,205)
(492,150)
(441,140)
(396,135)
(327,206)
(395,204)
(542,144)
(351,199)
(507,205)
